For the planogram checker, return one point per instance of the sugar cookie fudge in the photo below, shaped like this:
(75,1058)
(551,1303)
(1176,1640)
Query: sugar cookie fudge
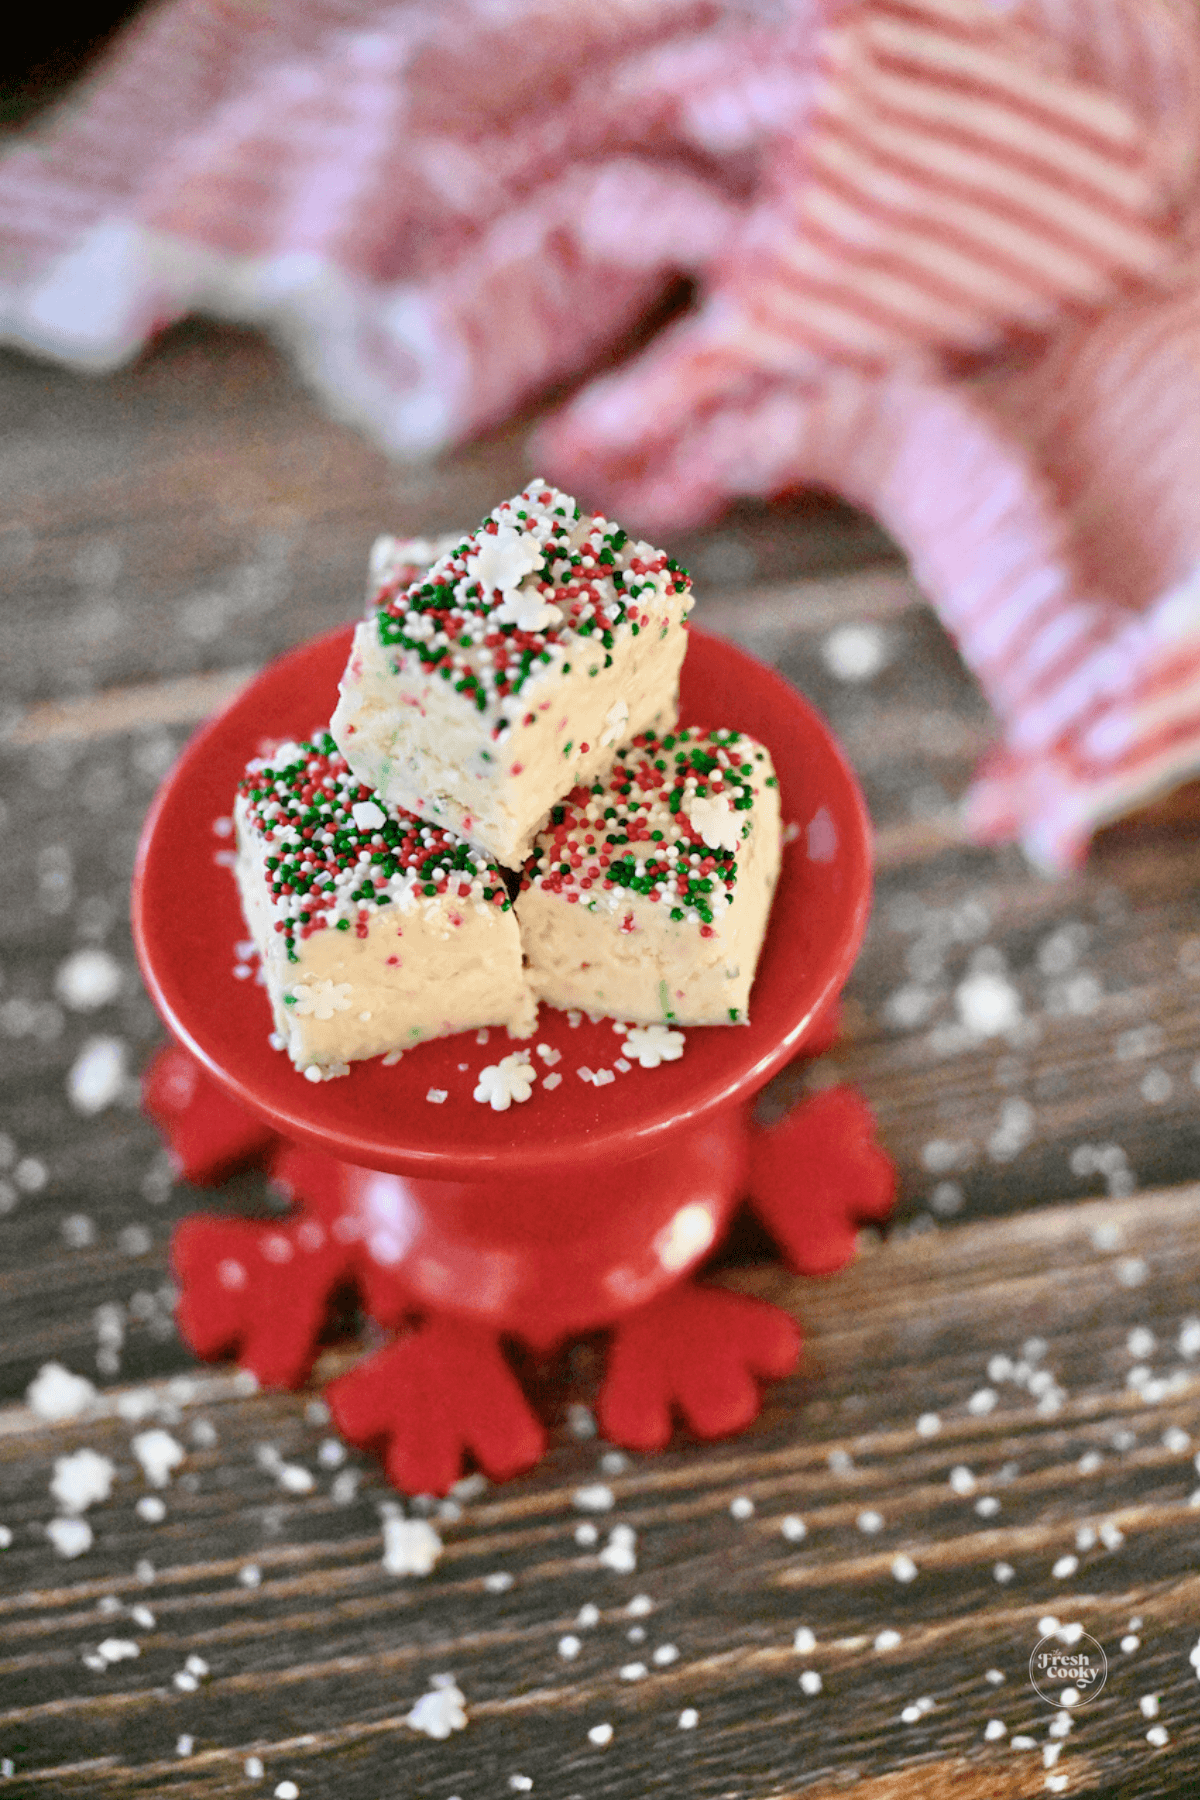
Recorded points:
(646,896)
(375,929)
(479,695)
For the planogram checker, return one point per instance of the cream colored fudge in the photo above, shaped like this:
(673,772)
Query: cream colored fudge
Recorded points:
(479,695)
(646,896)
(375,929)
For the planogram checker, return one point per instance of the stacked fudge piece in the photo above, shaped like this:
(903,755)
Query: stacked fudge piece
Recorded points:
(501,811)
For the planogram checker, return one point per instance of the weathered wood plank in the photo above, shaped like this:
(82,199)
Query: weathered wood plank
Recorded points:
(908,1331)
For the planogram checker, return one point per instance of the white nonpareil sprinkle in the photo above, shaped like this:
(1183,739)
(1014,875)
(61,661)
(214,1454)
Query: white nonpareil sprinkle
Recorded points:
(569,1647)
(793,1528)
(600,1735)
(510,1079)
(1049,1626)
(1131,1642)
(184,1744)
(804,1641)
(1176,1440)
(633,1671)
(742,1507)
(689,1718)
(253,1768)
(586,1535)
(995,1728)
(650,1045)
(928,1425)
(961,1479)
(97,1075)
(983,1401)
(1111,1535)
(665,1654)
(1003,1571)
(159,1453)
(6,1537)
(904,1568)
(81,1480)
(287,1790)
(887,1640)
(70,1537)
(640,1606)
(440,1711)
(1065,1567)
(410,1546)
(588,1615)
(1149,1706)
(520,1784)
(810,1682)
(1158,1735)
(118,1650)
(55,1394)
(250,1576)
(294,1478)
(870,1522)
(987,1507)
(995,1677)
(88,979)
(596,1498)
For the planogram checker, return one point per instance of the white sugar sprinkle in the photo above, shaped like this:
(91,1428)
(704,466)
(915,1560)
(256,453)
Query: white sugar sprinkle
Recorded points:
(410,1546)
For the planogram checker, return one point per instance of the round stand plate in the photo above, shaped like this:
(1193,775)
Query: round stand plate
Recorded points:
(187,920)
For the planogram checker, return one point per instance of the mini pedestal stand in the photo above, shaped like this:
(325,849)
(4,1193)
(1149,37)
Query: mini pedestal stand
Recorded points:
(459,1228)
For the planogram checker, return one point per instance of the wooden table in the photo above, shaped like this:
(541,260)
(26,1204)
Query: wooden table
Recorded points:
(1001,1393)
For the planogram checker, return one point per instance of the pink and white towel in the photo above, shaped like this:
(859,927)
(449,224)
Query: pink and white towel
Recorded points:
(946,256)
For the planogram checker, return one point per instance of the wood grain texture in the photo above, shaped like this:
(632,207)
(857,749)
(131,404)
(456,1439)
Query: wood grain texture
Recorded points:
(1030,1049)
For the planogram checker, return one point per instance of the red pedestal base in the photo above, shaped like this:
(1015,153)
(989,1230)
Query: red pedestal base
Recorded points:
(453,1267)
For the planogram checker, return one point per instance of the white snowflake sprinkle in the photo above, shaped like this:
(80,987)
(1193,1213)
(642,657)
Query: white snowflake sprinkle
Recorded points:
(70,1537)
(651,1045)
(55,1394)
(440,1711)
(159,1453)
(320,999)
(81,1480)
(510,1079)
(715,820)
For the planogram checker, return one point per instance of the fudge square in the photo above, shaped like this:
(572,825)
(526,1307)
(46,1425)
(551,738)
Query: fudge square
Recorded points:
(483,692)
(646,896)
(375,929)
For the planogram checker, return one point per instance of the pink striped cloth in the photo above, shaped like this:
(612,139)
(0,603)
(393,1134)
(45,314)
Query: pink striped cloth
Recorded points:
(945,252)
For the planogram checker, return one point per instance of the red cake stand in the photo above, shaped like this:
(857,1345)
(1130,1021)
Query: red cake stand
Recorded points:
(588,1206)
